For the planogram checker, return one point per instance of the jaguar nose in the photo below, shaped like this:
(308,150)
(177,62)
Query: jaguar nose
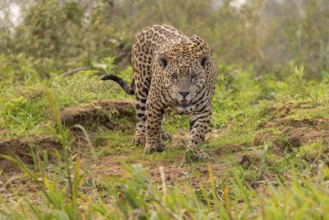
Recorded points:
(184,94)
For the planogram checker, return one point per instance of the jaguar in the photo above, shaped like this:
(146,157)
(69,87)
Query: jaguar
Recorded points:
(170,70)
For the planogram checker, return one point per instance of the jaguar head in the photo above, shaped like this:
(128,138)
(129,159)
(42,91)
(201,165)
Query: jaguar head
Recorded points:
(184,77)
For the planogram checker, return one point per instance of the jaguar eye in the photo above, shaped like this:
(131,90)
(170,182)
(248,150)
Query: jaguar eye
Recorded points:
(193,76)
(174,75)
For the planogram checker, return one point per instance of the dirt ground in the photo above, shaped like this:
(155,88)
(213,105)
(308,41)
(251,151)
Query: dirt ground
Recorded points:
(295,134)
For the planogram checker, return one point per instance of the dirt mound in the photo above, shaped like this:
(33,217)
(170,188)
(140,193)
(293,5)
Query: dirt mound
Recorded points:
(284,131)
(22,149)
(96,113)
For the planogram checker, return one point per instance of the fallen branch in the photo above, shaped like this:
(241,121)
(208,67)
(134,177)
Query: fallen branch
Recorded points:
(74,71)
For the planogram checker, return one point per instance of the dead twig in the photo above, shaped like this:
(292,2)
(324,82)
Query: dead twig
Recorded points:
(74,71)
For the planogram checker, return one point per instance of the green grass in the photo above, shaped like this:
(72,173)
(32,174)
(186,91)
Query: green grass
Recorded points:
(278,183)
(24,104)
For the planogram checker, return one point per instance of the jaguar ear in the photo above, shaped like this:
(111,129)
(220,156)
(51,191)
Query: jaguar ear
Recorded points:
(204,60)
(163,60)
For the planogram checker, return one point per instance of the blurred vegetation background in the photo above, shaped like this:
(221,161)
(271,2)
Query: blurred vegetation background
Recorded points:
(45,38)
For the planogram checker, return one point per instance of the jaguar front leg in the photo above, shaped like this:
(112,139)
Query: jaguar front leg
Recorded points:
(154,131)
(199,126)
(139,138)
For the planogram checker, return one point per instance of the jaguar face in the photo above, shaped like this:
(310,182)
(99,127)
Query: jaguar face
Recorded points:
(184,77)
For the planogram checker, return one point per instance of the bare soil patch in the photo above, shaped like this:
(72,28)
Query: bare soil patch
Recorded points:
(194,175)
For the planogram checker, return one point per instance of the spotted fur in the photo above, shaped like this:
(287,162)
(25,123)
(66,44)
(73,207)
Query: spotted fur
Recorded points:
(170,70)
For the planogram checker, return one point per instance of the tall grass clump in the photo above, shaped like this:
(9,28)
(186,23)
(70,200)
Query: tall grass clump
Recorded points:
(303,198)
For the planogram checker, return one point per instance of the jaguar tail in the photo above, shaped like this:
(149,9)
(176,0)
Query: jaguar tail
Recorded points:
(128,88)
